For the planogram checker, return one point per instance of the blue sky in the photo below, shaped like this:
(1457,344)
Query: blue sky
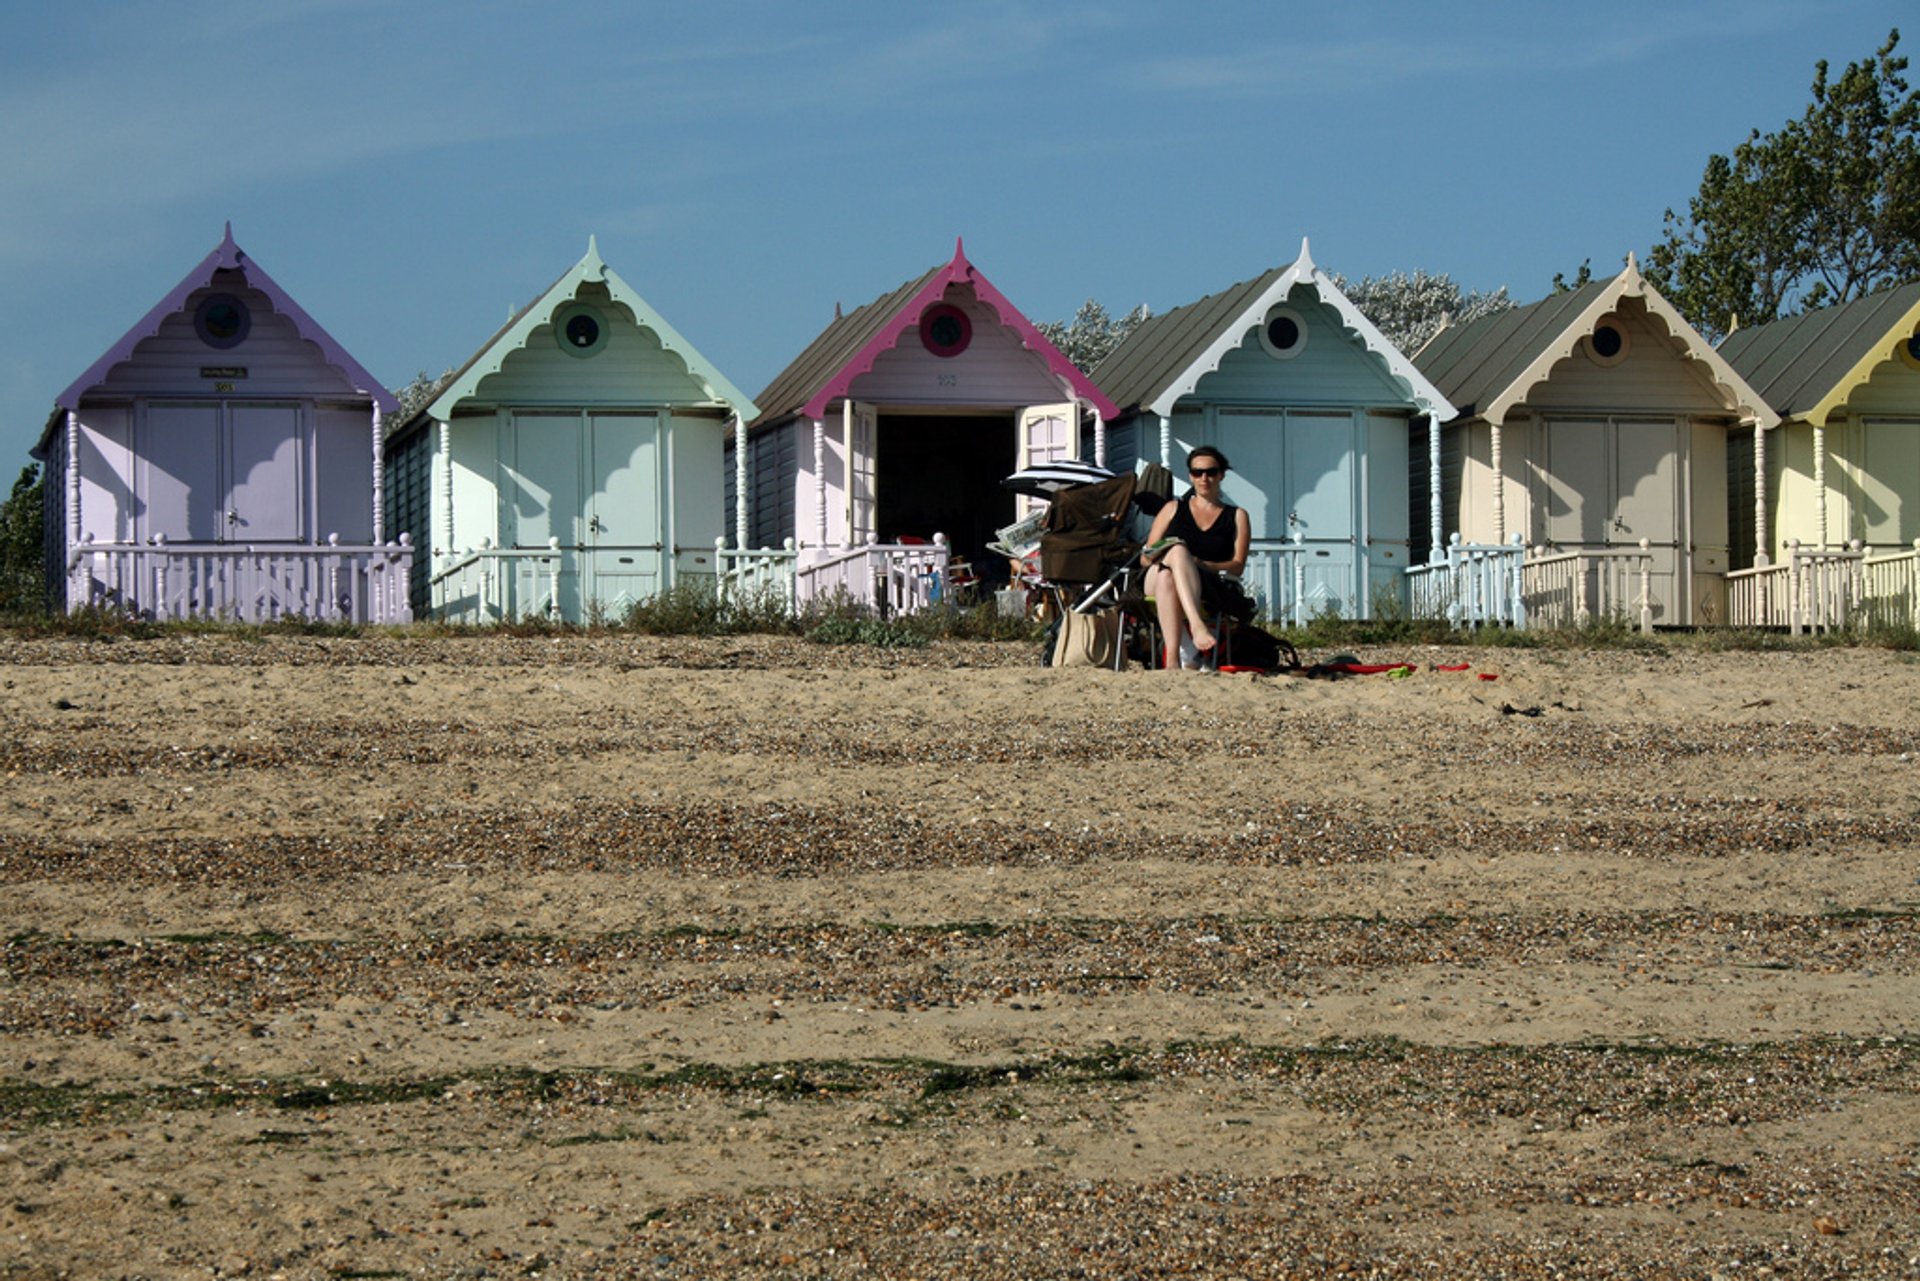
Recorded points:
(413,171)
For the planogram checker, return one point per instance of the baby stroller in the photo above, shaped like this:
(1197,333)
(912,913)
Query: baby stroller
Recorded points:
(1090,563)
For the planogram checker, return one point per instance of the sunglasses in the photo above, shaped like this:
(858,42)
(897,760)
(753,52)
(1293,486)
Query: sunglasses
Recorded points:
(1206,471)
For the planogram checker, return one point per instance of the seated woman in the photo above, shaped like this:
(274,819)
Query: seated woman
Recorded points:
(1184,578)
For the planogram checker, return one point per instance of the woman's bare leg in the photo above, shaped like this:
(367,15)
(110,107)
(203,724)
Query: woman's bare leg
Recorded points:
(1175,584)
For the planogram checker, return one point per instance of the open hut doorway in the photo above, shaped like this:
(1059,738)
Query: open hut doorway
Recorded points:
(941,473)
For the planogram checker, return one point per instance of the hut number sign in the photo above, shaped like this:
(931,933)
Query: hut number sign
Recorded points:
(224,376)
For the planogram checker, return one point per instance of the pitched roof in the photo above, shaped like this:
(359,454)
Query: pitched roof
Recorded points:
(228,256)
(850,343)
(1165,356)
(513,335)
(1808,365)
(1489,365)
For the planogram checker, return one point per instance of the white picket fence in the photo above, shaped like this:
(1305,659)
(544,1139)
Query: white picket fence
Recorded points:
(334,581)
(884,579)
(1478,584)
(1587,585)
(1828,589)
(488,584)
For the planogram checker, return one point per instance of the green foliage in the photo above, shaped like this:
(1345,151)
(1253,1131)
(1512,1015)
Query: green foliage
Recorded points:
(23,587)
(414,397)
(696,608)
(1411,308)
(1092,334)
(1584,276)
(1823,210)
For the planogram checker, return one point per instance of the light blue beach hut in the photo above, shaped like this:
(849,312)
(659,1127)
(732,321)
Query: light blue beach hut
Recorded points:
(1313,406)
(572,467)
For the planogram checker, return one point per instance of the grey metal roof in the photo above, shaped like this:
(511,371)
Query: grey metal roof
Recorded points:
(1473,363)
(1798,361)
(828,353)
(1163,347)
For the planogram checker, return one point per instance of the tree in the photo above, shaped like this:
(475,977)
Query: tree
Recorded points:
(22,549)
(1093,334)
(1824,210)
(1410,309)
(416,395)
(1584,276)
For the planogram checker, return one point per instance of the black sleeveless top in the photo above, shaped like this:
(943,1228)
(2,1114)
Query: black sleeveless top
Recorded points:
(1213,544)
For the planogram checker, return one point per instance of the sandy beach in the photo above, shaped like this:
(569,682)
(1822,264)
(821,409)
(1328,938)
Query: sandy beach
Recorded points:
(630,956)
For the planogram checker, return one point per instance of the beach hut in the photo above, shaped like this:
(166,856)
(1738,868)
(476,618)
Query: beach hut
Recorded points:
(1837,484)
(221,459)
(898,423)
(572,467)
(1313,406)
(1592,431)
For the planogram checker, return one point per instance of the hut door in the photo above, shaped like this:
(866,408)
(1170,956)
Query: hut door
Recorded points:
(1646,505)
(1320,485)
(222,472)
(863,447)
(541,492)
(263,473)
(1046,436)
(1609,483)
(180,458)
(1889,477)
(626,549)
(542,489)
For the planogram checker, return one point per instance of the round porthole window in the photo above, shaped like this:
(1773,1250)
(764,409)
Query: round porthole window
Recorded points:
(222,321)
(1607,344)
(1910,350)
(579,330)
(1283,333)
(945,330)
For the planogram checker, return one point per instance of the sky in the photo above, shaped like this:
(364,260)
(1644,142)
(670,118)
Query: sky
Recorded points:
(412,172)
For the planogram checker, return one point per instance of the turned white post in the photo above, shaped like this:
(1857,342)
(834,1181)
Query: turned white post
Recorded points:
(1761,557)
(73,477)
(379,482)
(1646,586)
(1166,441)
(820,482)
(445,459)
(553,578)
(739,482)
(1499,491)
(159,609)
(1793,586)
(1820,480)
(333,573)
(1099,438)
(1436,549)
(1299,578)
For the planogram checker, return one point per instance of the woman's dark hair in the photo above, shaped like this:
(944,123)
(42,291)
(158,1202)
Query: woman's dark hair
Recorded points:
(1209,451)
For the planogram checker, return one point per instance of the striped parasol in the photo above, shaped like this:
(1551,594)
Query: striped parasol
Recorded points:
(1044,480)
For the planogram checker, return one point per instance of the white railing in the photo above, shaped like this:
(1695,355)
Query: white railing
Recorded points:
(1891,585)
(483,584)
(1573,588)
(1275,576)
(1816,589)
(333,582)
(1477,585)
(884,578)
(748,573)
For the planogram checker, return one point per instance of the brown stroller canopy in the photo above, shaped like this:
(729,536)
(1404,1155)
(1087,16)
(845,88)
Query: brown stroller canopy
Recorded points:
(1085,534)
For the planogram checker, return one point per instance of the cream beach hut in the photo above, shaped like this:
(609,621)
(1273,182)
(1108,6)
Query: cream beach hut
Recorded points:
(1592,429)
(1837,483)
